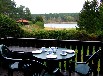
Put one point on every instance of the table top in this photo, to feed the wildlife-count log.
(43, 55)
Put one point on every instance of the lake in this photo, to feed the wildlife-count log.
(60, 25)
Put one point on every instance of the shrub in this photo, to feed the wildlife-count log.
(8, 27)
(40, 24)
(64, 35)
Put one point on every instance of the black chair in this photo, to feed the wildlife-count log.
(36, 67)
(83, 68)
(40, 69)
(4, 52)
(8, 62)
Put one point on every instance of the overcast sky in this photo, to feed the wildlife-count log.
(52, 6)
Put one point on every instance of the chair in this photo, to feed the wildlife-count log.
(8, 62)
(44, 71)
(3, 52)
(83, 68)
(37, 67)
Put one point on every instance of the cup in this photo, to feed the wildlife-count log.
(63, 52)
(43, 49)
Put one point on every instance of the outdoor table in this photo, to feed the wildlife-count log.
(42, 56)
(54, 62)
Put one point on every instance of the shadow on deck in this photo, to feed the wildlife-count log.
(4, 72)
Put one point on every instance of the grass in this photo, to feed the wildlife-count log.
(31, 28)
(48, 28)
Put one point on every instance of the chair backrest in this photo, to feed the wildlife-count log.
(1, 51)
(96, 55)
(28, 55)
(5, 51)
(1, 48)
(17, 54)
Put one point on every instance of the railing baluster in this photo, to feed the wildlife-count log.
(79, 48)
(85, 47)
(101, 60)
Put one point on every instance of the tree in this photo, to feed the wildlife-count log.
(39, 18)
(20, 12)
(89, 17)
(8, 27)
(28, 14)
(101, 15)
(7, 7)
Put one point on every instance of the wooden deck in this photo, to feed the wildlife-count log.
(4, 72)
(82, 48)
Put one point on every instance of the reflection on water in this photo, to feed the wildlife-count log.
(61, 25)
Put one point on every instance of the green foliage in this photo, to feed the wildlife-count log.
(64, 35)
(39, 18)
(40, 24)
(101, 16)
(100, 36)
(30, 22)
(58, 17)
(8, 27)
(8, 7)
(23, 13)
(89, 17)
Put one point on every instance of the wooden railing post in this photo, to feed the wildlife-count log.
(101, 60)
(79, 48)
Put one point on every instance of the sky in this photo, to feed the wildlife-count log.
(52, 6)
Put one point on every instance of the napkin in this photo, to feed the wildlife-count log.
(51, 56)
(70, 51)
(37, 51)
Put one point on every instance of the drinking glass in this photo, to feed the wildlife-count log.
(50, 51)
(54, 49)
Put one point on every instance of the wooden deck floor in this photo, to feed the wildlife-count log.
(4, 72)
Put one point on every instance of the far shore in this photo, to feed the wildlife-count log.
(62, 23)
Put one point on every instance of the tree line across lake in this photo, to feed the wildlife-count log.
(58, 17)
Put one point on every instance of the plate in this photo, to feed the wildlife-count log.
(51, 56)
(37, 51)
(70, 51)
(63, 54)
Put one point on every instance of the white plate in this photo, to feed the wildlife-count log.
(70, 51)
(51, 56)
(63, 54)
(37, 51)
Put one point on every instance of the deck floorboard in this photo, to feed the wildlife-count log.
(4, 72)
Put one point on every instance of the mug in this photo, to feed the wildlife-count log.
(63, 51)
(43, 49)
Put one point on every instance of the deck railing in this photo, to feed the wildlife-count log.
(82, 48)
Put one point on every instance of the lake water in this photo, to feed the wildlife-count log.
(61, 25)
